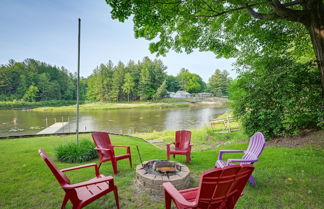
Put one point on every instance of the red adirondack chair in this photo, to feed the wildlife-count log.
(219, 188)
(82, 194)
(182, 145)
(251, 155)
(106, 150)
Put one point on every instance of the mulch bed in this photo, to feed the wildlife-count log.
(314, 138)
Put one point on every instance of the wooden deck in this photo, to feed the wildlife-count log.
(53, 128)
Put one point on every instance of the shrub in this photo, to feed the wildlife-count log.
(279, 97)
(76, 153)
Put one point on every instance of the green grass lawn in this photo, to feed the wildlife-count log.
(286, 177)
(203, 139)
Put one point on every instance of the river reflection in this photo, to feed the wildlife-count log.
(127, 121)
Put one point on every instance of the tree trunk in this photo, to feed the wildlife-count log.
(315, 27)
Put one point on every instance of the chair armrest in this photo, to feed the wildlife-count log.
(90, 182)
(168, 145)
(102, 149)
(241, 161)
(220, 155)
(128, 147)
(177, 196)
(120, 146)
(83, 166)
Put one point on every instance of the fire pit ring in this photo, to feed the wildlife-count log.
(154, 173)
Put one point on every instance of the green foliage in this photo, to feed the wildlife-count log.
(190, 82)
(172, 83)
(33, 80)
(279, 98)
(134, 81)
(146, 92)
(218, 83)
(187, 25)
(128, 84)
(76, 153)
(161, 91)
(31, 94)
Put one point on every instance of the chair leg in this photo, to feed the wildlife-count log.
(66, 198)
(116, 197)
(130, 161)
(114, 165)
(167, 198)
(168, 155)
(99, 165)
(76, 207)
(252, 181)
(188, 158)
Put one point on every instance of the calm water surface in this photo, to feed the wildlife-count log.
(127, 121)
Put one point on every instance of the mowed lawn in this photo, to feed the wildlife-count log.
(286, 177)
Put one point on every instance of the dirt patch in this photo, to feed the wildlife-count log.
(312, 138)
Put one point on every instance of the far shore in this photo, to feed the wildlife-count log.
(85, 106)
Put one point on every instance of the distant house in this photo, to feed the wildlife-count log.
(204, 94)
(179, 94)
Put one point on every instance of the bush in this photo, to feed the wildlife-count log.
(279, 98)
(76, 153)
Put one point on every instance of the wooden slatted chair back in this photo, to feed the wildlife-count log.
(102, 140)
(183, 139)
(256, 145)
(221, 187)
(59, 175)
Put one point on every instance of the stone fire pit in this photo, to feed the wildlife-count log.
(154, 173)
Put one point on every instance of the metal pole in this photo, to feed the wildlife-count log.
(139, 155)
(78, 82)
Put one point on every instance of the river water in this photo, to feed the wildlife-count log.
(126, 121)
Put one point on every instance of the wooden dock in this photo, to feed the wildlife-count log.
(53, 128)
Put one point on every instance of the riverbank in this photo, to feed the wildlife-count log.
(133, 105)
(279, 182)
(111, 106)
(22, 104)
(69, 105)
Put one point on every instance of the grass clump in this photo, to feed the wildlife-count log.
(76, 153)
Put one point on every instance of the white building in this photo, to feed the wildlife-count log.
(179, 94)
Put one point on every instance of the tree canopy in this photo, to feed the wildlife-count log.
(32, 80)
(218, 83)
(230, 28)
(145, 80)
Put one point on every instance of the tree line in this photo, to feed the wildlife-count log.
(32, 80)
(147, 80)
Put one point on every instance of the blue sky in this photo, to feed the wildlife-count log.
(46, 30)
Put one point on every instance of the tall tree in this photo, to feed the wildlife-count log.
(218, 83)
(117, 81)
(172, 83)
(146, 91)
(128, 84)
(228, 28)
(161, 91)
(190, 82)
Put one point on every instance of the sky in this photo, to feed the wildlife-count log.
(46, 30)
